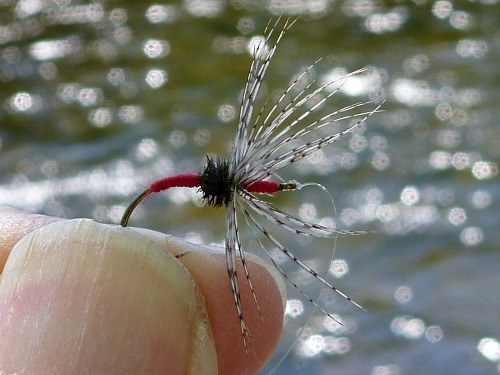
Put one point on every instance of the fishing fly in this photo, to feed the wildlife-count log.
(281, 133)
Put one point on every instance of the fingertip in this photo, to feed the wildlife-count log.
(208, 268)
(265, 326)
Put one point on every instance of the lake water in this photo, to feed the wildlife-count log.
(100, 99)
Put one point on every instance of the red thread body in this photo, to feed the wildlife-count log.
(192, 180)
(263, 187)
(189, 180)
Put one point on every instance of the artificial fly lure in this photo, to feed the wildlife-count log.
(262, 147)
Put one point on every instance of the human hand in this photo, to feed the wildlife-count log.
(81, 297)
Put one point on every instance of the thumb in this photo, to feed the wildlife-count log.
(81, 297)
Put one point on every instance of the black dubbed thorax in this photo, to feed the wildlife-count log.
(216, 183)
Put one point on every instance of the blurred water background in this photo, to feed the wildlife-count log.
(100, 98)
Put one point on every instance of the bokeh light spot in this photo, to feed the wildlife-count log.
(21, 102)
(472, 48)
(409, 327)
(483, 170)
(336, 345)
(443, 112)
(89, 96)
(434, 334)
(440, 160)
(204, 8)
(410, 195)
(316, 8)
(457, 216)
(461, 20)
(481, 199)
(312, 346)
(461, 160)
(294, 308)
(116, 76)
(118, 16)
(28, 8)
(403, 294)
(380, 161)
(147, 149)
(131, 114)
(48, 70)
(246, 25)
(380, 23)
(226, 112)
(202, 137)
(471, 236)
(161, 14)
(442, 9)
(307, 212)
(54, 49)
(156, 78)
(489, 348)
(416, 64)
(339, 268)
(155, 49)
(177, 138)
(100, 117)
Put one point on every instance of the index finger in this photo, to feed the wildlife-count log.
(207, 267)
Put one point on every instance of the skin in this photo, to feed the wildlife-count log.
(81, 297)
